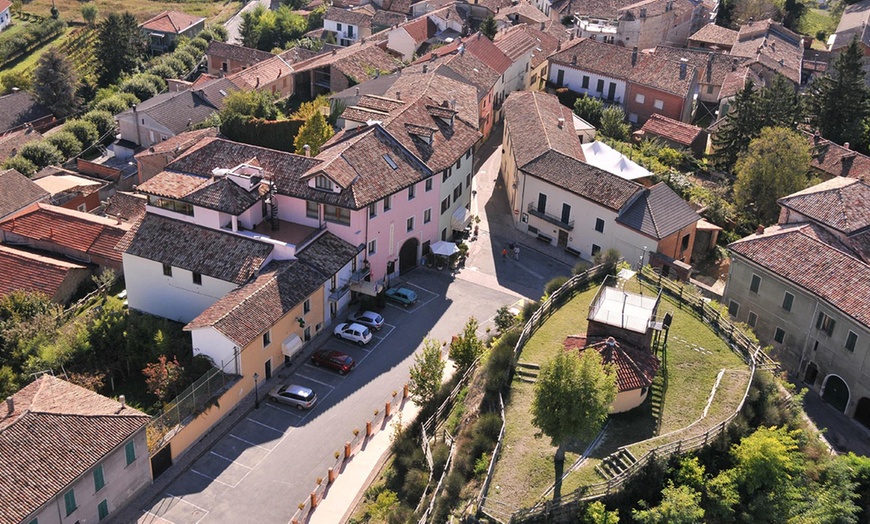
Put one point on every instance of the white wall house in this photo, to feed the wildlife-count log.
(588, 83)
(5, 14)
(456, 188)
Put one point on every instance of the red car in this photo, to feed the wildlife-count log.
(332, 359)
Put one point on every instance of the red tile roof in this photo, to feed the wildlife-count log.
(515, 42)
(171, 22)
(670, 129)
(770, 44)
(842, 204)
(836, 160)
(69, 229)
(17, 192)
(23, 270)
(4, 5)
(532, 119)
(716, 35)
(635, 369)
(57, 432)
(421, 29)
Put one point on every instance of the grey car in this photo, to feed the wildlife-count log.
(367, 318)
(294, 395)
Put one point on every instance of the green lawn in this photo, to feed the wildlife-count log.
(815, 20)
(692, 361)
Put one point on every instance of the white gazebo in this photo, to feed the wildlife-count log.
(604, 157)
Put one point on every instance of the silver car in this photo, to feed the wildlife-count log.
(294, 395)
(367, 318)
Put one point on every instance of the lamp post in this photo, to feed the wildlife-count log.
(256, 392)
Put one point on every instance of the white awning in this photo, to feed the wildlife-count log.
(367, 288)
(291, 345)
(460, 218)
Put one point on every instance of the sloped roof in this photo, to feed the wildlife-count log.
(533, 121)
(177, 111)
(217, 193)
(218, 254)
(368, 62)
(238, 53)
(57, 432)
(26, 271)
(19, 108)
(798, 253)
(179, 143)
(357, 17)
(516, 41)
(67, 228)
(842, 204)
(4, 5)
(836, 160)
(126, 206)
(854, 21)
(171, 22)
(17, 192)
(525, 10)
(594, 8)
(718, 64)
(421, 29)
(715, 35)
(261, 73)
(245, 313)
(635, 369)
(654, 8)
(582, 179)
(672, 130)
(388, 19)
(11, 143)
(439, 88)
(770, 44)
(658, 212)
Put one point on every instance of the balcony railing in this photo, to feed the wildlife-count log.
(360, 274)
(553, 219)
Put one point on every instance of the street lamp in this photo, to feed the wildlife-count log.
(256, 392)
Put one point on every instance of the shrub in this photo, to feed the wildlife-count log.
(498, 366)
(609, 258)
(219, 32)
(489, 426)
(553, 285)
(66, 142)
(158, 82)
(415, 483)
(84, 130)
(613, 123)
(579, 267)
(104, 123)
(440, 452)
(112, 105)
(140, 87)
(177, 65)
(41, 153)
(529, 309)
(162, 70)
(186, 58)
(200, 44)
(22, 165)
(481, 466)
(130, 99)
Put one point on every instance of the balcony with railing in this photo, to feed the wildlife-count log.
(552, 219)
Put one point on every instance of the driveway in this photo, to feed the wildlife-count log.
(235, 22)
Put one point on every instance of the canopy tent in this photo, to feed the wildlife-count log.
(604, 157)
(445, 249)
(460, 218)
(290, 345)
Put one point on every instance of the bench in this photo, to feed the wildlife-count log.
(571, 251)
(544, 238)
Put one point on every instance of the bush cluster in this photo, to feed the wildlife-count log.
(32, 35)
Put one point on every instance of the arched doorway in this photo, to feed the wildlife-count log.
(408, 255)
(862, 411)
(835, 392)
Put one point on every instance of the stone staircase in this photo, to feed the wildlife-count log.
(527, 372)
(615, 463)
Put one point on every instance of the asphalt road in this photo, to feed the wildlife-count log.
(233, 23)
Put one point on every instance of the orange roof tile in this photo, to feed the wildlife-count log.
(171, 22)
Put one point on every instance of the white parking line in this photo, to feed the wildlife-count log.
(189, 503)
(249, 442)
(229, 459)
(300, 375)
(276, 430)
(162, 520)
(287, 411)
(212, 478)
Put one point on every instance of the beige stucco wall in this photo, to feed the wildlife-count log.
(626, 400)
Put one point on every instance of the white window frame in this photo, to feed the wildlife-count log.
(373, 247)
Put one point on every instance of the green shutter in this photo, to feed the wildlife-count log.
(103, 509)
(70, 500)
(131, 452)
(99, 481)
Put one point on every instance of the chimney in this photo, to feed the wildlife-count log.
(683, 68)
(123, 400)
(425, 68)
(398, 95)
(542, 26)
(461, 49)
(634, 56)
(559, 45)
(574, 60)
(10, 404)
(258, 83)
(816, 137)
(561, 123)
(710, 67)
(846, 145)
(759, 230)
(307, 149)
(334, 51)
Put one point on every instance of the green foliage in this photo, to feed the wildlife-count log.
(89, 13)
(112, 105)
(158, 82)
(596, 513)
(466, 347)
(161, 70)
(178, 67)
(217, 31)
(314, 133)
(775, 165)
(32, 35)
(504, 319)
(66, 143)
(198, 43)
(139, 86)
(315, 20)
(265, 29)
(613, 123)
(307, 109)
(186, 57)
(589, 109)
(489, 27)
(609, 258)
(103, 121)
(21, 79)
(22, 165)
(252, 104)
(55, 83)
(274, 134)
(482, 465)
(84, 130)
(427, 372)
(383, 505)
(41, 153)
(572, 397)
(680, 505)
(499, 363)
(120, 47)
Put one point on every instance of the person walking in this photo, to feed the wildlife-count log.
(517, 252)
(504, 254)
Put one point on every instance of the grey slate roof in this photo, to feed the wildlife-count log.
(842, 204)
(17, 192)
(658, 212)
(17, 109)
(178, 112)
(224, 256)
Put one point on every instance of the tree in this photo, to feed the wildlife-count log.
(163, 377)
(489, 27)
(837, 104)
(119, 48)
(613, 123)
(792, 12)
(139, 86)
(466, 347)
(15, 79)
(41, 153)
(589, 109)
(251, 104)
(778, 104)
(66, 142)
(21, 164)
(103, 121)
(775, 165)
(249, 29)
(680, 505)
(427, 372)
(572, 398)
(834, 502)
(89, 14)
(314, 133)
(504, 319)
(55, 83)
(739, 128)
(84, 130)
(596, 513)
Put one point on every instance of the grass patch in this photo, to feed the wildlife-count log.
(71, 10)
(815, 20)
(28, 62)
(691, 363)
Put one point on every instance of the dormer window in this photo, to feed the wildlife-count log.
(323, 183)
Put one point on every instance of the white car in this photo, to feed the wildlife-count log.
(353, 332)
(367, 318)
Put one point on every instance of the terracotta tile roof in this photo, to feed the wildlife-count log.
(217, 193)
(736, 80)
(516, 42)
(525, 10)
(658, 212)
(397, 6)
(218, 254)
(771, 45)
(4, 5)
(368, 62)
(126, 206)
(237, 53)
(488, 53)
(362, 114)
(463, 67)
(298, 54)
(796, 252)
(12, 142)
(261, 73)
(532, 119)
(23, 270)
(545, 44)
(671, 130)
(835, 160)
(66, 430)
(67, 228)
(580, 178)
(712, 67)
(439, 88)
(635, 369)
(715, 35)
(654, 8)
(171, 22)
(842, 204)
(594, 8)
(245, 313)
(17, 192)
(421, 29)
(17, 109)
(388, 19)
(172, 185)
(615, 62)
(179, 143)
(357, 17)
(380, 103)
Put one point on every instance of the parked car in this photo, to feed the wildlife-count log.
(294, 395)
(367, 318)
(402, 295)
(332, 359)
(353, 332)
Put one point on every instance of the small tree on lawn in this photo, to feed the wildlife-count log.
(314, 133)
(572, 398)
(162, 377)
(466, 347)
(89, 14)
(427, 373)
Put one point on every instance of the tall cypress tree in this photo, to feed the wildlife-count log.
(778, 104)
(120, 46)
(55, 83)
(742, 124)
(837, 104)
